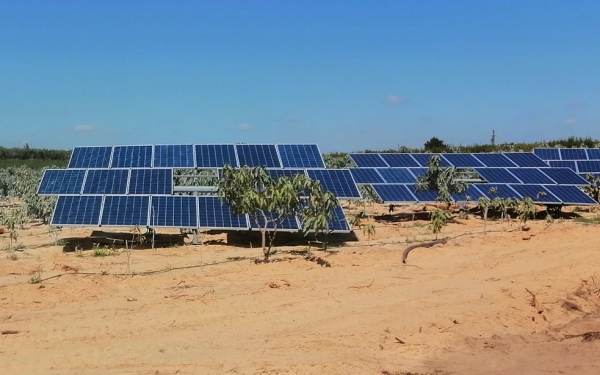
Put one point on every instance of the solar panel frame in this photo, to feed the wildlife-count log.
(150, 181)
(213, 156)
(497, 175)
(177, 156)
(593, 153)
(85, 207)
(300, 156)
(462, 160)
(125, 211)
(368, 160)
(532, 190)
(61, 182)
(570, 195)
(173, 211)
(494, 160)
(563, 164)
(588, 166)
(104, 181)
(395, 193)
(218, 215)
(573, 154)
(366, 176)
(124, 156)
(397, 175)
(93, 157)
(399, 160)
(338, 181)
(564, 176)
(547, 153)
(423, 160)
(531, 176)
(258, 155)
(526, 159)
(423, 196)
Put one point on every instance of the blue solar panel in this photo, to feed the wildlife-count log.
(564, 176)
(131, 157)
(287, 224)
(502, 191)
(90, 157)
(537, 193)
(338, 222)
(77, 210)
(61, 181)
(276, 173)
(125, 211)
(151, 181)
(588, 166)
(593, 153)
(300, 156)
(497, 175)
(397, 175)
(472, 192)
(215, 214)
(570, 194)
(215, 156)
(174, 211)
(495, 160)
(531, 176)
(338, 181)
(423, 160)
(400, 160)
(547, 153)
(463, 160)
(368, 160)
(423, 195)
(394, 193)
(563, 164)
(258, 156)
(366, 176)
(106, 181)
(418, 171)
(525, 159)
(573, 154)
(174, 156)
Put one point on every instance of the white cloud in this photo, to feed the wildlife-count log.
(244, 127)
(393, 99)
(570, 121)
(83, 128)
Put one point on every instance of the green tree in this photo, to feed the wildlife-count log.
(443, 181)
(435, 145)
(270, 201)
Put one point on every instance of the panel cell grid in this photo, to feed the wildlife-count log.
(547, 153)
(400, 160)
(258, 156)
(300, 156)
(525, 159)
(174, 156)
(418, 172)
(215, 214)
(151, 181)
(395, 193)
(495, 160)
(61, 181)
(276, 173)
(573, 154)
(588, 166)
(531, 176)
(338, 181)
(338, 222)
(289, 224)
(397, 175)
(499, 190)
(563, 164)
(366, 176)
(472, 193)
(423, 195)
(132, 157)
(423, 160)
(497, 175)
(174, 211)
(106, 181)
(564, 176)
(593, 153)
(215, 156)
(537, 193)
(463, 160)
(125, 211)
(368, 160)
(90, 157)
(570, 194)
(77, 210)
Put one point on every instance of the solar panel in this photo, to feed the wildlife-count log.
(338, 222)
(547, 153)
(131, 157)
(564, 176)
(368, 160)
(397, 175)
(537, 193)
(502, 191)
(215, 156)
(400, 160)
(472, 192)
(570, 194)
(174, 211)
(394, 193)
(61, 181)
(106, 181)
(258, 156)
(423, 160)
(531, 176)
(338, 181)
(151, 181)
(90, 157)
(215, 214)
(563, 164)
(276, 173)
(289, 224)
(495, 160)
(423, 195)
(525, 159)
(366, 176)
(463, 160)
(125, 211)
(174, 156)
(497, 175)
(588, 166)
(300, 156)
(573, 154)
(418, 171)
(593, 153)
(77, 210)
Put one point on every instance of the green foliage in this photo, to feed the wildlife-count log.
(22, 183)
(441, 180)
(369, 230)
(337, 160)
(588, 220)
(435, 145)
(104, 251)
(13, 219)
(526, 210)
(439, 219)
(593, 189)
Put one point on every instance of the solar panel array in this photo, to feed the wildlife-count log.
(581, 160)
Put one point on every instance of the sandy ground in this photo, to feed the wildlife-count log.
(458, 308)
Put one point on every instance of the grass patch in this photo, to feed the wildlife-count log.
(12, 256)
(587, 220)
(19, 247)
(104, 252)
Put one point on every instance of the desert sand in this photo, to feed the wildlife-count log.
(463, 307)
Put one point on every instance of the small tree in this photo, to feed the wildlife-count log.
(593, 189)
(269, 202)
(318, 211)
(526, 211)
(435, 145)
(439, 219)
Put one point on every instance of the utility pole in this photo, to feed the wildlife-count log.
(493, 137)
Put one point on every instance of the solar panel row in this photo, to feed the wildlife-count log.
(198, 156)
(555, 154)
(459, 160)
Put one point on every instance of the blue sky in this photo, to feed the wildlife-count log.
(347, 75)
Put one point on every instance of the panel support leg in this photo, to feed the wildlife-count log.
(195, 240)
